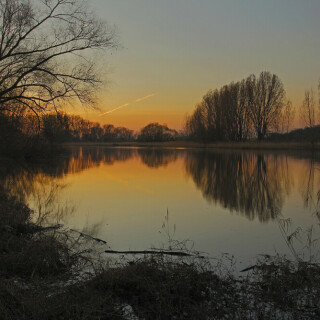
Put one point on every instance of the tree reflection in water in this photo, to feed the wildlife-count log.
(155, 158)
(22, 179)
(253, 184)
(249, 183)
(309, 186)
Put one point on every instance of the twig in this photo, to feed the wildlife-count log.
(86, 235)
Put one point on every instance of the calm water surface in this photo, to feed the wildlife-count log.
(226, 202)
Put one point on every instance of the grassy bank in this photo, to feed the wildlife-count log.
(218, 145)
(46, 273)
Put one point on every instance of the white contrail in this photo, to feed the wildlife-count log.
(127, 104)
(146, 97)
(122, 106)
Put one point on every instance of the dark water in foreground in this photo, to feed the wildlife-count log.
(232, 202)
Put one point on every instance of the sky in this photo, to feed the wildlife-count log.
(173, 51)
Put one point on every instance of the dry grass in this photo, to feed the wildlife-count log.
(283, 289)
(160, 290)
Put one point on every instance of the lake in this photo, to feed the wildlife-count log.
(243, 203)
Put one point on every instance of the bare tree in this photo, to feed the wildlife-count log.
(196, 124)
(288, 114)
(236, 113)
(43, 53)
(308, 109)
(266, 96)
(237, 109)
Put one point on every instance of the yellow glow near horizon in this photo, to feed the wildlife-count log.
(165, 108)
(127, 104)
(182, 49)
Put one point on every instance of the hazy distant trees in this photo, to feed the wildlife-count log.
(308, 112)
(112, 133)
(61, 127)
(238, 110)
(109, 134)
(43, 47)
(288, 114)
(157, 132)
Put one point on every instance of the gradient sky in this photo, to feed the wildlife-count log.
(173, 51)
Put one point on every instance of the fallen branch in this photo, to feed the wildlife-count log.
(170, 253)
(248, 269)
(88, 236)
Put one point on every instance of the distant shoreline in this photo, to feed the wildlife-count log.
(265, 145)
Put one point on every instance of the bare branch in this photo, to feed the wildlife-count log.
(43, 48)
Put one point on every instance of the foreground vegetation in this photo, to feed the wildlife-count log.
(50, 273)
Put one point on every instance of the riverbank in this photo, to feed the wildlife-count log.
(264, 145)
(49, 273)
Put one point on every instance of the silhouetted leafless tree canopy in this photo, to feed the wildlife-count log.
(308, 112)
(239, 110)
(157, 132)
(288, 115)
(43, 53)
(266, 96)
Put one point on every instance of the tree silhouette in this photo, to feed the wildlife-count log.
(266, 96)
(239, 109)
(157, 132)
(43, 53)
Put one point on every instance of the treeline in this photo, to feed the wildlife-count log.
(25, 133)
(61, 127)
(242, 110)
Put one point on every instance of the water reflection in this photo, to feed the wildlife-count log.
(155, 158)
(22, 180)
(76, 160)
(309, 185)
(252, 184)
(248, 183)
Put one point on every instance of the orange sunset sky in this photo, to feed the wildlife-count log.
(173, 51)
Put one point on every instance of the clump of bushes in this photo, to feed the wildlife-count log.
(25, 250)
